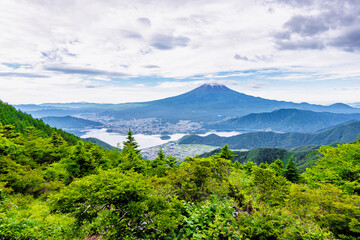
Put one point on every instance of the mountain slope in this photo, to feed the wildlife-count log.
(343, 133)
(208, 102)
(9, 115)
(211, 102)
(69, 122)
(287, 120)
(303, 156)
(98, 142)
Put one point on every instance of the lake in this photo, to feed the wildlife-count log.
(144, 141)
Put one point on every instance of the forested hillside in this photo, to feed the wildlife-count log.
(303, 156)
(21, 121)
(51, 189)
(287, 120)
(343, 133)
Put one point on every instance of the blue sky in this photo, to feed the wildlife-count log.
(125, 51)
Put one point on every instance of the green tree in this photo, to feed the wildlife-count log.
(82, 161)
(263, 165)
(131, 143)
(329, 206)
(20, 121)
(120, 206)
(171, 161)
(226, 153)
(198, 178)
(161, 155)
(129, 159)
(278, 167)
(291, 172)
(269, 187)
(158, 165)
(338, 165)
(8, 131)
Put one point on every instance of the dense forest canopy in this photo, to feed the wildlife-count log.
(51, 188)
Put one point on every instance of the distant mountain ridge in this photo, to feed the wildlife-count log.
(287, 120)
(69, 122)
(208, 102)
(343, 133)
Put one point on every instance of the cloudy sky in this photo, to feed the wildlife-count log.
(123, 51)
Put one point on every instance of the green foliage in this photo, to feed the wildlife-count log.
(226, 153)
(212, 219)
(240, 188)
(81, 163)
(304, 156)
(266, 222)
(130, 143)
(342, 133)
(21, 121)
(129, 159)
(171, 161)
(329, 206)
(338, 165)
(278, 167)
(98, 142)
(198, 178)
(269, 187)
(19, 178)
(22, 217)
(291, 172)
(160, 165)
(118, 205)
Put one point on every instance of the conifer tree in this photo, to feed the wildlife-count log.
(161, 155)
(278, 167)
(160, 160)
(226, 152)
(171, 161)
(131, 143)
(291, 172)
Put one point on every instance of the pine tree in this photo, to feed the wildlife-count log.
(171, 161)
(291, 172)
(161, 155)
(160, 160)
(131, 143)
(226, 153)
(278, 167)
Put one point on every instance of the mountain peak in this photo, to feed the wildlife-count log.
(340, 105)
(213, 85)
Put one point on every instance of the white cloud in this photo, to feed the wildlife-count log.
(177, 84)
(162, 42)
(257, 84)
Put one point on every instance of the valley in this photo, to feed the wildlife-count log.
(207, 117)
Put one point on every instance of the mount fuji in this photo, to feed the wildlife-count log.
(212, 102)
